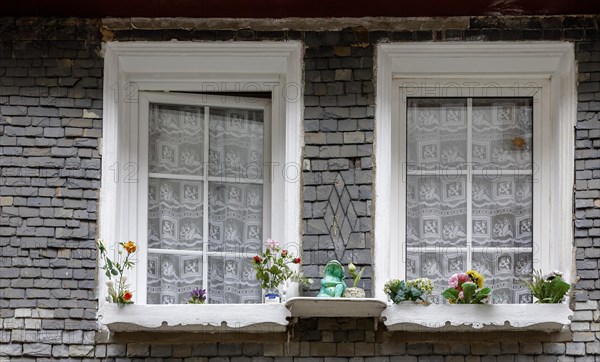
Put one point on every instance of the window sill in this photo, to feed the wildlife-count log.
(335, 307)
(464, 317)
(256, 318)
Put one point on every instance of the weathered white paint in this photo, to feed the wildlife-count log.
(473, 317)
(552, 62)
(256, 318)
(335, 307)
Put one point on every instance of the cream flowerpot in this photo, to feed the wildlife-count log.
(354, 293)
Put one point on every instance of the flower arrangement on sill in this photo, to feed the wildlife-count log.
(466, 288)
(273, 267)
(549, 288)
(354, 291)
(412, 290)
(118, 293)
(197, 296)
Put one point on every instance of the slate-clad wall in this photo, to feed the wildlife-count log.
(50, 126)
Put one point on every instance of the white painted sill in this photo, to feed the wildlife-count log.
(253, 318)
(476, 317)
(269, 318)
(335, 307)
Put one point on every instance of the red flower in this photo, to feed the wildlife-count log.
(127, 296)
(284, 253)
(297, 260)
(257, 259)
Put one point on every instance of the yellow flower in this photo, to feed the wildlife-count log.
(476, 278)
(130, 247)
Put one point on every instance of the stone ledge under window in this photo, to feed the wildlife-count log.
(468, 317)
(253, 318)
(335, 307)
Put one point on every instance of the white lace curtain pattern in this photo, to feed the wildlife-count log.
(204, 168)
(469, 192)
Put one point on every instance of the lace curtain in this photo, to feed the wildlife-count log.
(469, 192)
(193, 183)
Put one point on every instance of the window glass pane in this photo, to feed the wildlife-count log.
(436, 133)
(502, 133)
(476, 217)
(231, 279)
(171, 278)
(503, 270)
(235, 217)
(436, 211)
(175, 210)
(177, 185)
(176, 139)
(502, 211)
(236, 143)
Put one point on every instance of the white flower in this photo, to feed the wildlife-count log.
(124, 279)
(271, 243)
(351, 267)
(110, 284)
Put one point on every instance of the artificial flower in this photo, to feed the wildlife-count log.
(476, 278)
(127, 296)
(198, 296)
(130, 247)
(272, 244)
(272, 266)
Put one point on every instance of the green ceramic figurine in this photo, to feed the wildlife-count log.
(332, 284)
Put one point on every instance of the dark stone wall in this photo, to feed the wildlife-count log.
(50, 124)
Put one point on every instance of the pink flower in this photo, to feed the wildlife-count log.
(453, 281)
(271, 243)
(463, 278)
(461, 295)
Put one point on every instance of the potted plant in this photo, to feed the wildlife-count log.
(411, 291)
(273, 267)
(354, 291)
(549, 288)
(466, 288)
(118, 293)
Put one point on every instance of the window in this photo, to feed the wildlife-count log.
(475, 162)
(468, 185)
(207, 200)
(200, 180)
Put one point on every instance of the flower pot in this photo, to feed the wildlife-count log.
(272, 296)
(354, 293)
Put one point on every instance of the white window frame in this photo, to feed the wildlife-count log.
(550, 65)
(134, 67)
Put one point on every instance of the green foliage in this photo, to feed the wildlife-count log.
(354, 274)
(547, 289)
(399, 291)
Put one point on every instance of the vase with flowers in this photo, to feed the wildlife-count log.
(118, 290)
(274, 267)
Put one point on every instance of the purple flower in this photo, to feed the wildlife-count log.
(199, 294)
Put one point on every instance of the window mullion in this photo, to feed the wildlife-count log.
(469, 181)
(205, 203)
